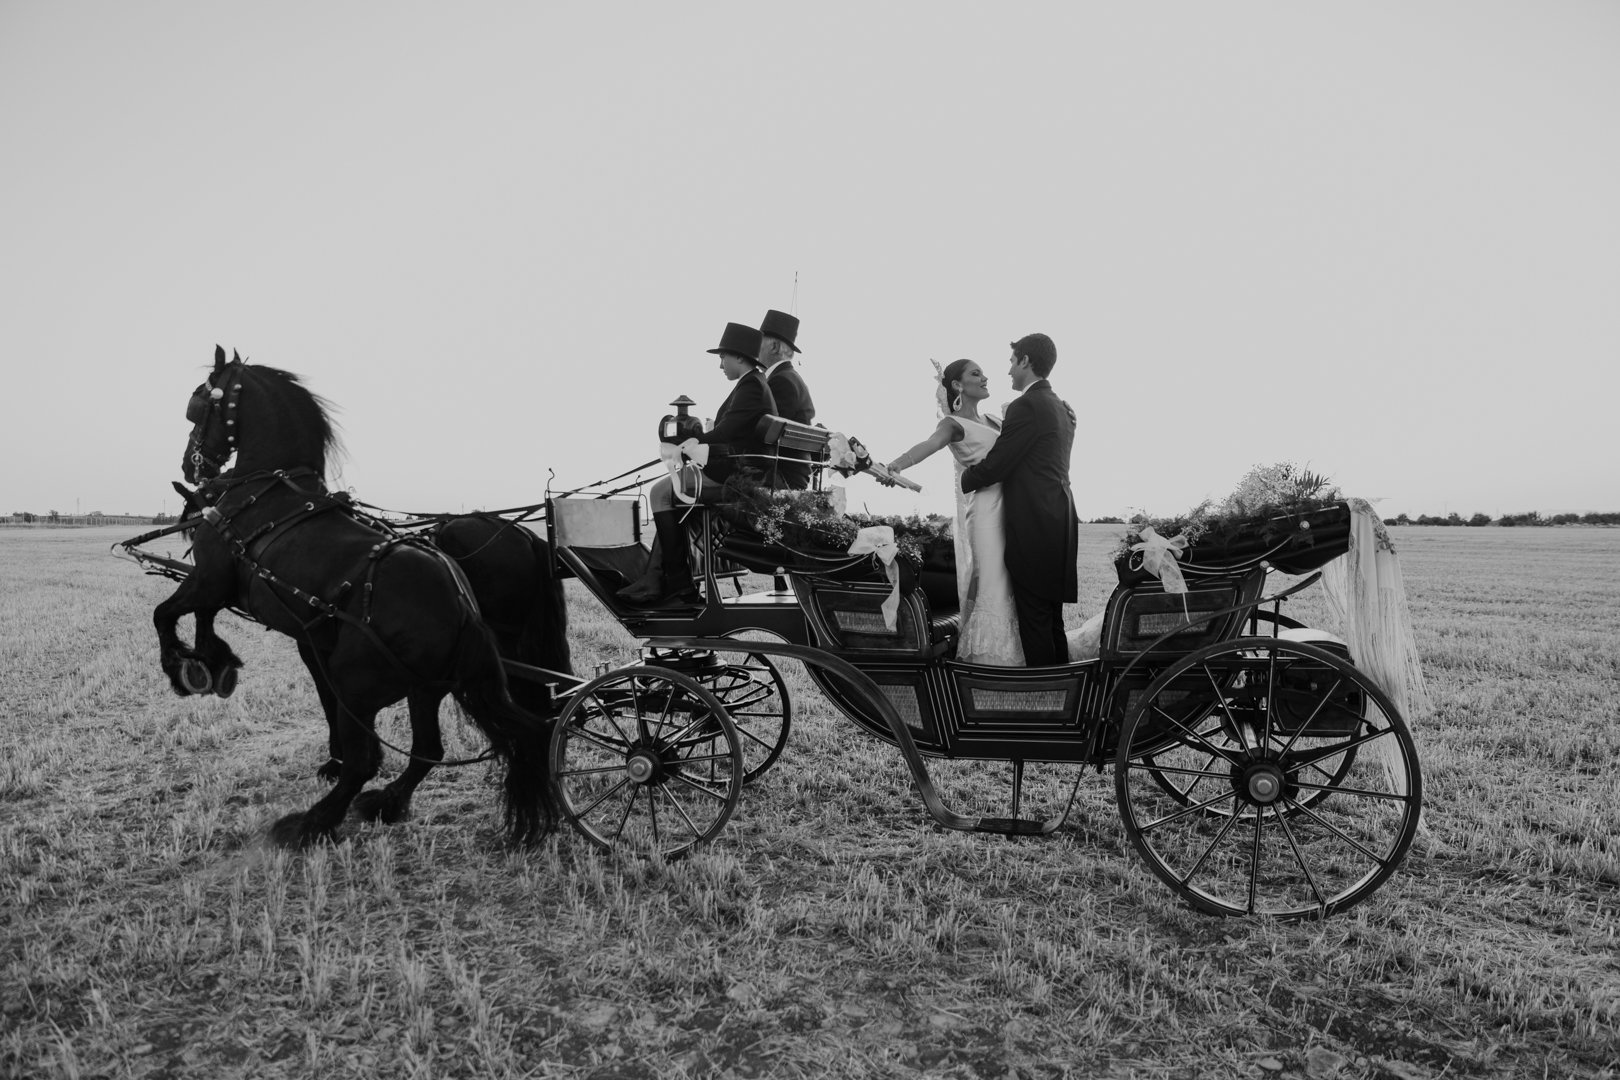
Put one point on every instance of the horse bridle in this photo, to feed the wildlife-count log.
(206, 405)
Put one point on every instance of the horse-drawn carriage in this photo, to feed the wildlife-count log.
(1256, 768)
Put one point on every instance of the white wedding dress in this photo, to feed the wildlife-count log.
(989, 633)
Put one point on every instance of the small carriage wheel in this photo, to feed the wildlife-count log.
(756, 698)
(646, 760)
(1271, 777)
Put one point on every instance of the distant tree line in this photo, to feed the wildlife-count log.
(1533, 517)
(1508, 520)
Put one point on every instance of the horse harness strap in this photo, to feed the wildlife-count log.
(250, 550)
(200, 405)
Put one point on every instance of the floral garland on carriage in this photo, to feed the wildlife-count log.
(821, 522)
(1262, 511)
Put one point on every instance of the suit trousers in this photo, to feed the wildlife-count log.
(1040, 628)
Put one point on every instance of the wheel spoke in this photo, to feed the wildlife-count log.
(1360, 793)
(1306, 757)
(600, 799)
(1255, 854)
(1322, 701)
(1299, 859)
(698, 786)
(599, 770)
(1226, 708)
(1340, 833)
(1177, 770)
(1196, 736)
(602, 741)
(681, 810)
(1185, 811)
(1226, 827)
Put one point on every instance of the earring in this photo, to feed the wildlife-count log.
(956, 402)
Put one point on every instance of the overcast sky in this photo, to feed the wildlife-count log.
(1380, 239)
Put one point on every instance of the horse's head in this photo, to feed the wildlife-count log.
(262, 415)
(212, 410)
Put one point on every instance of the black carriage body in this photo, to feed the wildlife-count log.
(1070, 713)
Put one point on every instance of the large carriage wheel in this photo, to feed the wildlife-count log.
(646, 760)
(1263, 776)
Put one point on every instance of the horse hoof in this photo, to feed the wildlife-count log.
(195, 678)
(226, 685)
(293, 832)
(378, 806)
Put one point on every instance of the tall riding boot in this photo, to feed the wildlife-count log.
(677, 558)
(669, 569)
(647, 586)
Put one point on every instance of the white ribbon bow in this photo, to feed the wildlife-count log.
(675, 459)
(1159, 556)
(840, 455)
(879, 540)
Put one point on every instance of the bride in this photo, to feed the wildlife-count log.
(989, 621)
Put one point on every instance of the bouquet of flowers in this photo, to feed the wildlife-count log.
(848, 456)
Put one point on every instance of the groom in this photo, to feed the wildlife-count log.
(1030, 460)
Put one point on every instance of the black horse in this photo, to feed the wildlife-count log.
(377, 617)
(520, 597)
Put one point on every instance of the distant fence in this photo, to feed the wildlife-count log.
(79, 521)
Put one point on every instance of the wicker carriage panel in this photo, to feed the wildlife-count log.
(1140, 613)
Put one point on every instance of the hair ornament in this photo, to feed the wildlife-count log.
(941, 394)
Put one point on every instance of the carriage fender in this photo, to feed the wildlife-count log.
(1310, 635)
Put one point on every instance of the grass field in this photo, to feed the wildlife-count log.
(832, 930)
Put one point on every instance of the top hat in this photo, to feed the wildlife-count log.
(779, 324)
(740, 340)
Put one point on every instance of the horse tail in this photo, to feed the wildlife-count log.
(518, 737)
(545, 629)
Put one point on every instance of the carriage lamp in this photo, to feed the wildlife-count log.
(679, 426)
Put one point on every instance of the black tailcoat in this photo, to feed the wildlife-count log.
(736, 428)
(792, 401)
(1030, 460)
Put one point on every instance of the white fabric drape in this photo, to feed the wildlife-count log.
(1368, 595)
(1365, 588)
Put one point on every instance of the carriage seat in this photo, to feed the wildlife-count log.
(795, 442)
(1140, 615)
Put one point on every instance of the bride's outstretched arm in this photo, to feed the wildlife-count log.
(947, 432)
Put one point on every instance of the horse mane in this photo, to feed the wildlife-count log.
(311, 410)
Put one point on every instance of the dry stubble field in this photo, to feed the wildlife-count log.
(149, 932)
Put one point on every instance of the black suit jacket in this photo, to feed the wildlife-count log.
(1030, 460)
(792, 401)
(735, 433)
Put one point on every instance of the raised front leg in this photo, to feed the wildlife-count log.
(220, 663)
(187, 669)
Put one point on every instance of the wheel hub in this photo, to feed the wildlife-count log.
(644, 767)
(1265, 784)
(1260, 781)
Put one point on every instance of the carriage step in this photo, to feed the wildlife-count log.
(1010, 826)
